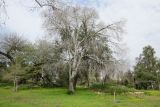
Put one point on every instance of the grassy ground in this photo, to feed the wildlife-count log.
(57, 97)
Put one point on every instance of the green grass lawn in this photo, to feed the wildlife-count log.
(57, 97)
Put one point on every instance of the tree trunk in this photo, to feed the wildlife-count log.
(71, 87)
(15, 84)
(75, 81)
(88, 79)
(88, 83)
(89, 75)
(71, 84)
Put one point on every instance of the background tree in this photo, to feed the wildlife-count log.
(158, 73)
(128, 78)
(146, 67)
(10, 45)
(46, 60)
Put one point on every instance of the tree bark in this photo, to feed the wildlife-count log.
(88, 82)
(75, 81)
(71, 89)
(15, 84)
(71, 85)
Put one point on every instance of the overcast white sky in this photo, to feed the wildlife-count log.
(142, 21)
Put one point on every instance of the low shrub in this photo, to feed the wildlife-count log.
(28, 86)
(152, 93)
(111, 88)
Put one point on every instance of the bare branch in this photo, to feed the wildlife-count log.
(7, 55)
(90, 36)
(46, 5)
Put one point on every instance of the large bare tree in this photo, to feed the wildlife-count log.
(78, 30)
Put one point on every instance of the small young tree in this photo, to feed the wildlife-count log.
(15, 73)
